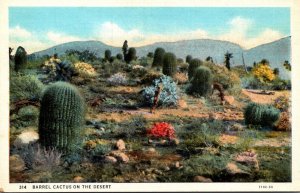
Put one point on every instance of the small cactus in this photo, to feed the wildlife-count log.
(169, 64)
(201, 83)
(61, 117)
(193, 65)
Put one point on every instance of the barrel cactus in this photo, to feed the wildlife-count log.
(193, 65)
(61, 117)
(169, 64)
(131, 55)
(158, 57)
(188, 59)
(20, 59)
(261, 114)
(201, 83)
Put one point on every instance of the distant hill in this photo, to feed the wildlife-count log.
(276, 52)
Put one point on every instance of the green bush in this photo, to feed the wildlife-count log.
(25, 87)
(261, 114)
(158, 57)
(194, 64)
(61, 117)
(201, 83)
(169, 64)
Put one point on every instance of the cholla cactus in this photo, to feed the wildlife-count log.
(117, 79)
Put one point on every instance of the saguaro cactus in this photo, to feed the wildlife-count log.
(61, 116)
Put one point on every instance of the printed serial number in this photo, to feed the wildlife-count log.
(265, 186)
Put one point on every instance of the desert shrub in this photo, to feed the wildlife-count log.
(193, 65)
(20, 59)
(25, 87)
(38, 158)
(263, 73)
(85, 70)
(201, 83)
(250, 82)
(162, 130)
(100, 150)
(282, 103)
(138, 71)
(29, 113)
(150, 76)
(180, 78)
(168, 95)
(284, 123)
(117, 79)
(229, 79)
(280, 84)
(158, 57)
(112, 68)
(261, 114)
(169, 64)
(183, 67)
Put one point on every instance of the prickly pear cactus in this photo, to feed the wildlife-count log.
(61, 117)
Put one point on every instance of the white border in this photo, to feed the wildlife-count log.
(148, 187)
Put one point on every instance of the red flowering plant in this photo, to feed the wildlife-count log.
(162, 130)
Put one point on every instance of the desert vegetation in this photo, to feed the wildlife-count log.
(77, 117)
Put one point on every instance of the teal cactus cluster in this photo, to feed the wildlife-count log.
(169, 64)
(61, 117)
(261, 114)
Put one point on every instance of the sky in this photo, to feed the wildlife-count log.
(38, 28)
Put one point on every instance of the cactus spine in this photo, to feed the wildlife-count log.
(193, 65)
(169, 64)
(61, 117)
(201, 81)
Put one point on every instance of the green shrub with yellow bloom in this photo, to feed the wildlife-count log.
(263, 73)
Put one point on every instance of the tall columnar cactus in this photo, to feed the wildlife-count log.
(61, 117)
(201, 83)
(20, 58)
(261, 114)
(169, 64)
(188, 59)
(193, 65)
(158, 57)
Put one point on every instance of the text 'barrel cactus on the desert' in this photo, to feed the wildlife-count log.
(61, 116)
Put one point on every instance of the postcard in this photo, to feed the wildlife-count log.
(149, 96)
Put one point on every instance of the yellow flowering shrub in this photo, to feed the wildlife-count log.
(263, 73)
(85, 70)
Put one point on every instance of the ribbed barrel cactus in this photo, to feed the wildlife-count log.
(20, 59)
(169, 64)
(193, 65)
(201, 83)
(61, 117)
(158, 57)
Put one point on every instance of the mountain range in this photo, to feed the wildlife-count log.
(276, 52)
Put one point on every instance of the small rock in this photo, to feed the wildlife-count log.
(150, 141)
(26, 137)
(229, 99)
(16, 163)
(102, 129)
(151, 149)
(120, 145)
(182, 103)
(122, 157)
(110, 159)
(163, 142)
(177, 165)
(78, 179)
(201, 179)
(237, 127)
(233, 169)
